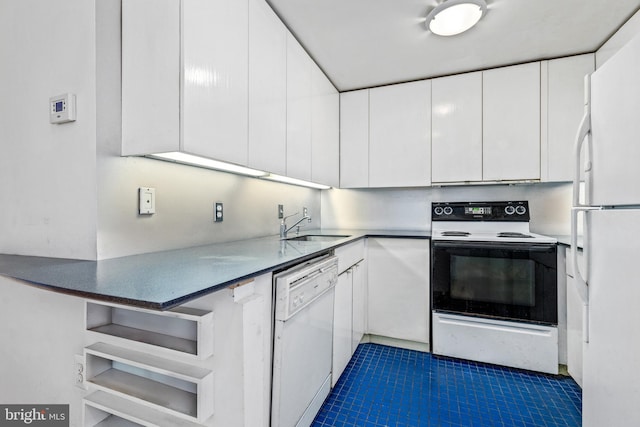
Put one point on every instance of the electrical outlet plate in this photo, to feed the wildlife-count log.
(79, 371)
(280, 211)
(147, 201)
(218, 212)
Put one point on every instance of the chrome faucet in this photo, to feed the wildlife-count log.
(283, 225)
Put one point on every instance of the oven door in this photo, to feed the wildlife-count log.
(511, 281)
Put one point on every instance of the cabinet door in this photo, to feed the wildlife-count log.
(215, 79)
(456, 136)
(150, 76)
(398, 288)
(267, 89)
(354, 139)
(565, 108)
(511, 123)
(342, 318)
(400, 135)
(325, 130)
(298, 110)
(359, 305)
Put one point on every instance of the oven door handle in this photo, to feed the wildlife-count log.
(529, 247)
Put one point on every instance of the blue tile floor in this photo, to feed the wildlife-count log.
(386, 386)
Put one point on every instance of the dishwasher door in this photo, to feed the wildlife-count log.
(302, 357)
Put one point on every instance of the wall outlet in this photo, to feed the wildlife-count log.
(280, 211)
(79, 371)
(146, 201)
(218, 212)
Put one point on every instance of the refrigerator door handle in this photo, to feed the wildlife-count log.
(581, 137)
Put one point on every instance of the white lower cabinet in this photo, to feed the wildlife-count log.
(349, 306)
(342, 325)
(398, 289)
(575, 327)
(161, 368)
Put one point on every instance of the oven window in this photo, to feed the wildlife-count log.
(494, 280)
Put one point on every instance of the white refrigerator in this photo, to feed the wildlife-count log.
(609, 140)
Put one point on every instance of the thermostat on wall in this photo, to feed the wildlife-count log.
(62, 108)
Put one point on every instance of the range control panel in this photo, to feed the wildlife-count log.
(480, 211)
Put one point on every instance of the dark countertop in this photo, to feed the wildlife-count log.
(161, 280)
(565, 240)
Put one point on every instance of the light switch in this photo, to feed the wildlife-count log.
(147, 201)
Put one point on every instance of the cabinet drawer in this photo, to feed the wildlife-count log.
(349, 255)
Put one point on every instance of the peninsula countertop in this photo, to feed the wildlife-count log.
(161, 280)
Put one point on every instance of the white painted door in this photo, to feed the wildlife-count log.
(359, 304)
(215, 79)
(456, 134)
(511, 123)
(565, 108)
(267, 89)
(398, 288)
(298, 110)
(400, 135)
(325, 130)
(150, 76)
(354, 139)
(342, 324)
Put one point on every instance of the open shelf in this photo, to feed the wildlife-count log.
(173, 387)
(182, 329)
(103, 409)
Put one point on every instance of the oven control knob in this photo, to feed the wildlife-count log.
(509, 210)
(521, 210)
(448, 210)
(438, 210)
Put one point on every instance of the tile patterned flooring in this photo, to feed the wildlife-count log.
(391, 387)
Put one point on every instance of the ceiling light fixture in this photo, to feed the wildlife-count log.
(453, 17)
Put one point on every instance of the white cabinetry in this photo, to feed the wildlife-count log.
(203, 86)
(215, 78)
(354, 139)
(325, 130)
(400, 135)
(342, 325)
(298, 110)
(145, 367)
(575, 337)
(456, 138)
(267, 89)
(398, 289)
(349, 306)
(511, 123)
(564, 91)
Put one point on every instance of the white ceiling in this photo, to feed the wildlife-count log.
(366, 43)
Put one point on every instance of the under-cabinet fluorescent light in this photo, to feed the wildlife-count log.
(189, 159)
(294, 181)
(453, 17)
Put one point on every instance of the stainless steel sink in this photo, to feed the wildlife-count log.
(318, 237)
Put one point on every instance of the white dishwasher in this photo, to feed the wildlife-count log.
(303, 337)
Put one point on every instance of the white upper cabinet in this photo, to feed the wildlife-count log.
(215, 78)
(298, 110)
(150, 76)
(565, 107)
(267, 89)
(325, 130)
(354, 139)
(456, 134)
(511, 123)
(400, 135)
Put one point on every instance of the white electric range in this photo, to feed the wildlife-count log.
(493, 286)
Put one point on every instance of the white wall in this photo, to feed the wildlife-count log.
(410, 209)
(47, 172)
